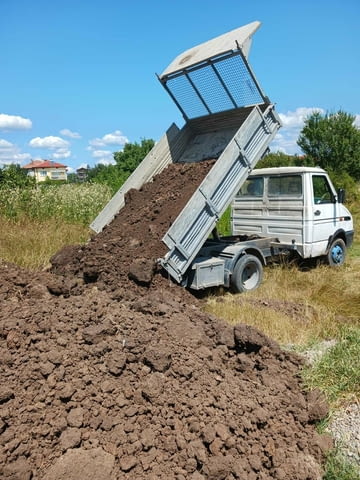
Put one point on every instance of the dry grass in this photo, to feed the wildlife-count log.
(297, 307)
(31, 243)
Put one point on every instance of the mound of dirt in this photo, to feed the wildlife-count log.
(104, 378)
(131, 244)
(152, 387)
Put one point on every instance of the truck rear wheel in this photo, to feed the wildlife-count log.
(247, 275)
(337, 253)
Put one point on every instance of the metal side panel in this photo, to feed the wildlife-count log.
(162, 154)
(198, 218)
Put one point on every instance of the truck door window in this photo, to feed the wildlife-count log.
(321, 190)
(285, 185)
(253, 187)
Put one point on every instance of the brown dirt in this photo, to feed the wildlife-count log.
(102, 378)
(131, 245)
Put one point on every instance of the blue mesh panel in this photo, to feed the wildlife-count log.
(239, 82)
(187, 97)
(240, 88)
(211, 90)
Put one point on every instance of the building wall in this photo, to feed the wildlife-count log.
(41, 174)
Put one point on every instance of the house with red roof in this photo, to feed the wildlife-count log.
(43, 169)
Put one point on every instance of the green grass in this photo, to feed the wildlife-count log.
(337, 373)
(337, 468)
(354, 251)
(224, 224)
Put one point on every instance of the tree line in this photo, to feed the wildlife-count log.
(330, 141)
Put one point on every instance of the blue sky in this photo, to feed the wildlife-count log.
(78, 77)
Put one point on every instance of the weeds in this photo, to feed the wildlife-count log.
(295, 306)
(31, 243)
(337, 468)
(73, 203)
(337, 373)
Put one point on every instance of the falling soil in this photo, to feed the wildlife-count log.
(131, 245)
(106, 378)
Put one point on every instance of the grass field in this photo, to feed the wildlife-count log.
(31, 243)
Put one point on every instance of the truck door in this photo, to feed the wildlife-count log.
(324, 208)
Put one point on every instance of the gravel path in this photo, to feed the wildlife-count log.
(314, 354)
(345, 428)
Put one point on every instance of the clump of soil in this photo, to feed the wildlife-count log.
(103, 378)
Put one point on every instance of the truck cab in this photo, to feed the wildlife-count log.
(297, 205)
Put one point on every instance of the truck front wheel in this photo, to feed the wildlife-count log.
(247, 275)
(337, 253)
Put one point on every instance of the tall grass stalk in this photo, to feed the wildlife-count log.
(297, 307)
(30, 243)
(75, 203)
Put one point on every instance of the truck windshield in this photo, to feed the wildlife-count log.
(253, 187)
(285, 185)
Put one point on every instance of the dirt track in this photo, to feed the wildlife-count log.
(103, 378)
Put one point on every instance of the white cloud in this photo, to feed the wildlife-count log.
(68, 133)
(292, 124)
(49, 142)
(296, 119)
(104, 157)
(285, 142)
(106, 161)
(10, 153)
(83, 165)
(14, 122)
(21, 157)
(5, 145)
(114, 138)
(61, 153)
(101, 153)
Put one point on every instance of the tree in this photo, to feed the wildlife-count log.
(107, 174)
(13, 176)
(280, 159)
(132, 154)
(126, 162)
(332, 141)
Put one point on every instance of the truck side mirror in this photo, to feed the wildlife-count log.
(341, 195)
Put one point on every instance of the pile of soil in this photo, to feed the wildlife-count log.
(131, 245)
(107, 379)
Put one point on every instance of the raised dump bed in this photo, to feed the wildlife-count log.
(199, 217)
(228, 118)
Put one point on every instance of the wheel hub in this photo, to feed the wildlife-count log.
(337, 254)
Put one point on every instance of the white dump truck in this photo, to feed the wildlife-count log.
(229, 118)
(297, 205)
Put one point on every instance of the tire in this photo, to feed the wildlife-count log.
(337, 253)
(247, 274)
